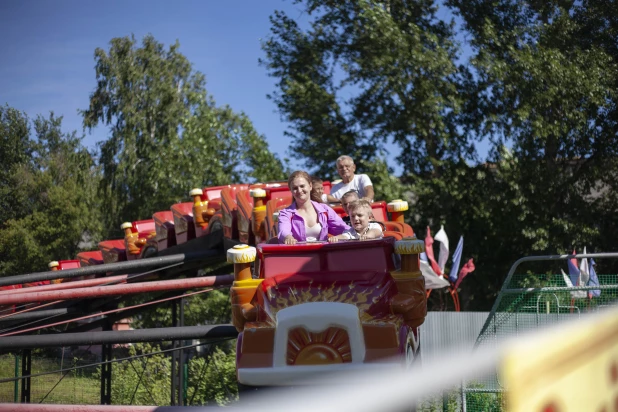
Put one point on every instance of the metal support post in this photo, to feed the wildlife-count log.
(16, 383)
(26, 370)
(181, 358)
(106, 370)
(174, 345)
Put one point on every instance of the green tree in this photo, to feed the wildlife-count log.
(166, 133)
(56, 211)
(539, 87)
(144, 381)
(546, 89)
(365, 73)
(16, 150)
(212, 379)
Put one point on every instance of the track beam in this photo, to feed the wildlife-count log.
(115, 290)
(128, 336)
(125, 267)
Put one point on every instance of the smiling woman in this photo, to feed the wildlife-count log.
(305, 219)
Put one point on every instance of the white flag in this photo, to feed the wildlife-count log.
(576, 294)
(443, 239)
(584, 272)
(432, 280)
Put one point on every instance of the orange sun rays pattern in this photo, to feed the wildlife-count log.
(310, 348)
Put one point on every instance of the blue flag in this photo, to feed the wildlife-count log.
(594, 281)
(456, 261)
(573, 273)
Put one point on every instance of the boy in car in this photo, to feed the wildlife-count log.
(362, 228)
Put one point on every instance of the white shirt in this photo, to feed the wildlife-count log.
(351, 233)
(312, 233)
(358, 183)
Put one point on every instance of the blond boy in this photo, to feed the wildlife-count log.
(362, 229)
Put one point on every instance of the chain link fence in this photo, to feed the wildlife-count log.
(77, 386)
(141, 375)
(528, 303)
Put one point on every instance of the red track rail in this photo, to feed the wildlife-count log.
(67, 285)
(114, 290)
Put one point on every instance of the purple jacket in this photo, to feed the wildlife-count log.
(290, 222)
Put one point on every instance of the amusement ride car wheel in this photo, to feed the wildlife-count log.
(149, 251)
(215, 226)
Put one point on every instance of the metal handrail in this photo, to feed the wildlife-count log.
(515, 265)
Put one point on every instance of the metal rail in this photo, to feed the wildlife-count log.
(68, 285)
(12, 407)
(123, 289)
(110, 267)
(129, 336)
(103, 316)
(38, 314)
(505, 290)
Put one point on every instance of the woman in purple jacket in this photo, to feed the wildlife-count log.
(305, 219)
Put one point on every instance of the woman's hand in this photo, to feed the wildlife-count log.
(333, 239)
(289, 240)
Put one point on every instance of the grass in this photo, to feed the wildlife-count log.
(81, 386)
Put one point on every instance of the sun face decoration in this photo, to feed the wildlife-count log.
(310, 348)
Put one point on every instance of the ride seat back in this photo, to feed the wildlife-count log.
(393, 234)
(68, 264)
(183, 222)
(403, 228)
(164, 228)
(281, 192)
(113, 250)
(327, 187)
(272, 206)
(229, 209)
(145, 228)
(245, 209)
(94, 257)
(213, 192)
(379, 211)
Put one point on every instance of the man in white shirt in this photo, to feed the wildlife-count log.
(349, 181)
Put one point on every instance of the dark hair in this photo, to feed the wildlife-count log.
(315, 179)
(350, 192)
(297, 174)
(314, 196)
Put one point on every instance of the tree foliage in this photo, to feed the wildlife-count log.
(16, 150)
(147, 380)
(366, 73)
(52, 187)
(547, 91)
(166, 133)
(538, 89)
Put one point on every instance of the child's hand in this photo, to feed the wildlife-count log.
(368, 236)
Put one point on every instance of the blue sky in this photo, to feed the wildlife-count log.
(47, 50)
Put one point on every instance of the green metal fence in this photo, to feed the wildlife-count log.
(529, 302)
(78, 386)
(141, 375)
